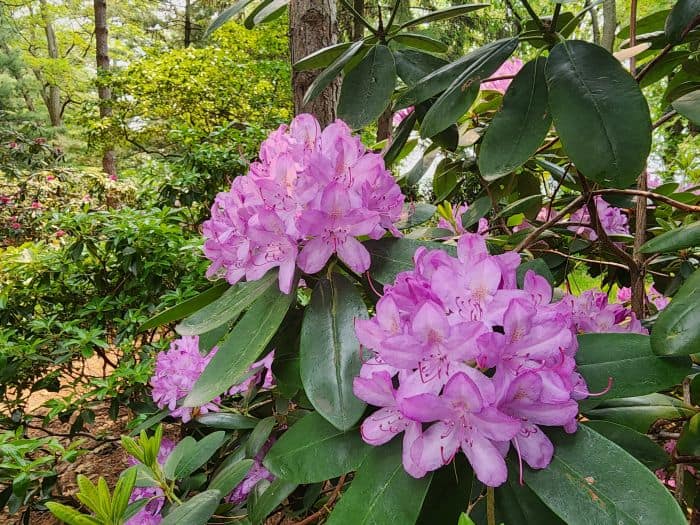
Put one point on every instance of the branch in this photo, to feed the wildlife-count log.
(653, 62)
(326, 508)
(574, 204)
(651, 195)
(665, 118)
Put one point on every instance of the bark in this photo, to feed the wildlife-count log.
(358, 28)
(384, 124)
(51, 93)
(104, 92)
(595, 26)
(188, 23)
(609, 24)
(312, 26)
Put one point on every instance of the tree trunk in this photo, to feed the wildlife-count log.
(51, 93)
(595, 26)
(104, 93)
(188, 23)
(609, 24)
(312, 26)
(358, 28)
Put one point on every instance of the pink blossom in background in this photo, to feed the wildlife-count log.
(624, 294)
(592, 313)
(653, 180)
(456, 226)
(50, 177)
(175, 374)
(60, 233)
(255, 475)
(510, 67)
(612, 219)
(112, 177)
(262, 370)
(36, 205)
(463, 360)
(311, 194)
(150, 513)
(659, 300)
(401, 115)
(542, 216)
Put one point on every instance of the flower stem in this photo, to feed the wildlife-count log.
(490, 506)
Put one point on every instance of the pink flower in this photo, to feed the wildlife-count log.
(260, 370)
(310, 196)
(401, 115)
(613, 221)
(36, 205)
(50, 177)
(112, 177)
(653, 180)
(60, 233)
(15, 225)
(456, 226)
(593, 314)
(255, 475)
(177, 370)
(510, 67)
(86, 198)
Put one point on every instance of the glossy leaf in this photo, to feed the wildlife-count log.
(271, 11)
(640, 412)
(398, 141)
(416, 213)
(228, 478)
(329, 350)
(539, 266)
(227, 421)
(449, 493)
(647, 24)
(443, 14)
(186, 307)
(462, 92)
(689, 442)
(520, 206)
(321, 58)
(477, 210)
(200, 454)
(69, 515)
(313, 450)
(241, 347)
(684, 14)
(677, 239)
(328, 75)
(599, 112)
(227, 307)
(367, 89)
(382, 493)
(195, 511)
(419, 41)
(517, 503)
(521, 125)
(249, 21)
(636, 444)
(592, 481)
(444, 182)
(391, 256)
(226, 15)
(412, 65)
(259, 436)
(677, 329)
(689, 106)
(635, 370)
(273, 496)
(184, 448)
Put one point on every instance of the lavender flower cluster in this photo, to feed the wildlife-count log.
(457, 346)
(311, 194)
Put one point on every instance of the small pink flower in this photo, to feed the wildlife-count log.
(653, 180)
(60, 233)
(36, 205)
(15, 226)
(50, 177)
(13, 145)
(508, 68)
(112, 177)
(86, 198)
(40, 140)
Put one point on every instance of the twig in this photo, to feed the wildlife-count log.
(665, 118)
(651, 195)
(326, 508)
(547, 145)
(581, 259)
(576, 203)
(652, 62)
(533, 15)
(491, 503)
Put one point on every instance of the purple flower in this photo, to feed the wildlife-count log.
(176, 372)
(510, 67)
(255, 475)
(456, 226)
(612, 220)
(150, 513)
(260, 370)
(311, 194)
(592, 313)
(400, 115)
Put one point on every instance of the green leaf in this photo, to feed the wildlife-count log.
(684, 15)
(184, 448)
(195, 511)
(465, 520)
(677, 239)
(633, 367)
(517, 503)
(593, 481)
(227, 307)
(444, 182)
(520, 206)
(295, 456)
(521, 125)
(599, 112)
(328, 75)
(640, 412)
(689, 106)
(69, 515)
(420, 42)
(249, 21)
(689, 442)
(400, 138)
(200, 454)
(122, 492)
(539, 266)
(241, 347)
(443, 14)
(382, 492)
(412, 65)
(269, 12)
(259, 436)
(275, 494)
(367, 89)
(460, 95)
(449, 493)
(321, 58)
(477, 210)
(416, 213)
(647, 24)
(440, 79)
(226, 15)
(677, 329)
(227, 421)
(636, 444)
(391, 256)
(229, 477)
(186, 307)
(329, 350)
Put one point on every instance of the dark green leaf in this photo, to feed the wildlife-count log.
(195, 511)
(477, 210)
(449, 493)
(382, 493)
(689, 106)
(412, 65)
(640, 412)
(226, 15)
(677, 239)
(520, 206)
(636, 444)
(444, 183)
(517, 503)
(633, 367)
(420, 42)
(249, 21)
(150, 421)
(275, 494)
(329, 350)
(593, 481)
(677, 329)
(443, 14)
(259, 436)
(227, 307)
(200, 454)
(321, 58)
(241, 347)
(270, 12)
(184, 448)
(462, 92)
(391, 256)
(600, 113)
(684, 15)
(227, 421)
(367, 89)
(400, 138)
(230, 476)
(539, 266)
(186, 307)
(647, 24)
(328, 75)
(689, 442)
(519, 127)
(416, 213)
(295, 456)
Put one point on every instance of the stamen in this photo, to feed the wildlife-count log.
(520, 461)
(371, 284)
(603, 392)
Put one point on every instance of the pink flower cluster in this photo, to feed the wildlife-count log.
(592, 313)
(613, 221)
(150, 514)
(463, 359)
(510, 67)
(176, 372)
(312, 193)
(655, 297)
